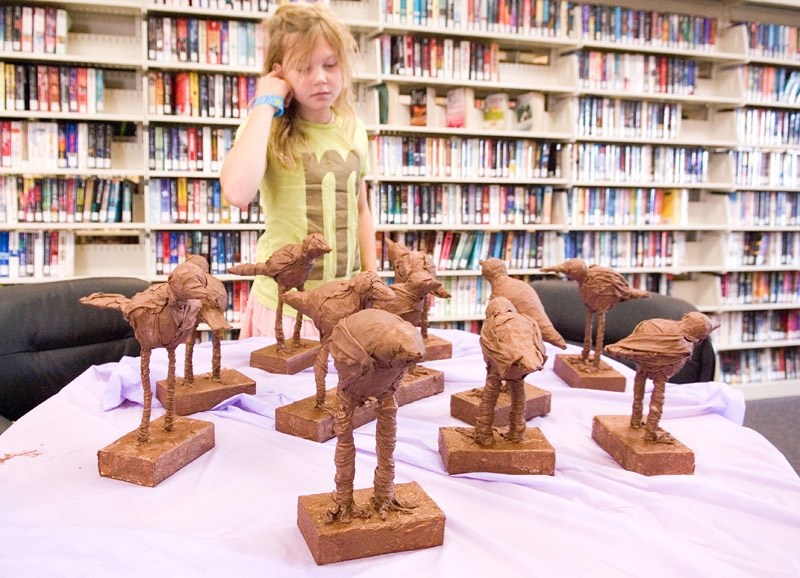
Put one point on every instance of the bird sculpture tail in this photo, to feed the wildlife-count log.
(248, 269)
(109, 300)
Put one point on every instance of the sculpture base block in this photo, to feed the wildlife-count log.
(294, 360)
(302, 419)
(163, 455)
(437, 348)
(205, 392)
(460, 454)
(332, 542)
(571, 368)
(628, 447)
(464, 405)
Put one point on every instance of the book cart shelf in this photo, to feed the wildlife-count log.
(673, 159)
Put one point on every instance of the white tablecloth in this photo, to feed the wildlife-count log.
(232, 512)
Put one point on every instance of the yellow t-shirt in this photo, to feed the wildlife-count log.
(319, 196)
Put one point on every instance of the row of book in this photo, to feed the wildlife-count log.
(768, 127)
(449, 156)
(451, 204)
(48, 88)
(36, 254)
(618, 117)
(611, 206)
(222, 249)
(190, 93)
(763, 208)
(760, 287)
(761, 248)
(625, 248)
(194, 40)
(37, 29)
(540, 17)
(640, 163)
(196, 201)
(772, 84)
(66, 200)
(45, 145)
(637, 73)
(238, 5)
(430, 56)
(188, 148)
(646, 27)
(759, 365)
(758, 168)
(757, 326)
(464, 250)
(772, 40)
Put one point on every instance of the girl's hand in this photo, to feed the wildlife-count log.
(274, 83)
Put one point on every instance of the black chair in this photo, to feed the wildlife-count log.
(48, 338)
(563, 305)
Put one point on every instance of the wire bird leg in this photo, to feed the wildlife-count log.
(144, 426)
(599, 337)
(587, 337)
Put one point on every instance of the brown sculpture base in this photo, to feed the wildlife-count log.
(293, 360)
(464, 405)
(437, 348)
(163, 455)
(336, 541)
(629, 448)
(302, 419)
(205, 392)
(575, 372)
(460, 454)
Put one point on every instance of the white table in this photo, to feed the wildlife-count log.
(232, 512)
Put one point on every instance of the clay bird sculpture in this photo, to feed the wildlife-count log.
(371, 350)
(523, 296)
(659, 348)
(330, 303)
(512, 348)
(163, 315)
(601, 288)
(411, 296)
(212, 313)
(405, 262)
(290, 267)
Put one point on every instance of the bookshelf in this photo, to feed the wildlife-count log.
(671, 157)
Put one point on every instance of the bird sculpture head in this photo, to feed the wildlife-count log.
(696, 326)
(315, 245)
(493, 268)
(573, 269)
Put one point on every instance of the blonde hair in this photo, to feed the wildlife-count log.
(292, 33)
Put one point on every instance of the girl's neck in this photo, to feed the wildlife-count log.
(322, 117)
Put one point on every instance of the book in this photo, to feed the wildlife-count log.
(496, 111)
(459, 107)
(422, 108)
(529, 111)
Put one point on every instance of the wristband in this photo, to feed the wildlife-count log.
(274, 101)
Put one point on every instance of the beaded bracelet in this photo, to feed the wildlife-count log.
(274, 101)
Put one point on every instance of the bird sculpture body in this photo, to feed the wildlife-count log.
(600, 288)
(328, 304)
(290, 267)
(163, 315)
(523, 296)
(512, 348)
(659, 348)
(371, 350)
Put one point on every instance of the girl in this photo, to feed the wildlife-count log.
(302, 147)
